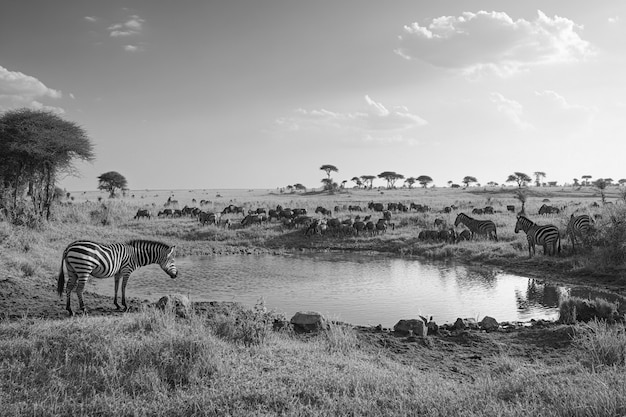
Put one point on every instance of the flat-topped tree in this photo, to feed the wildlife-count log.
(391, 178)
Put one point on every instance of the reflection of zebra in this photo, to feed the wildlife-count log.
(481, 227)
(84, 258)
(578, 226)
(547, 236)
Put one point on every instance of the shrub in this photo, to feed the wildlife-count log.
(573, 309)
(601, 343)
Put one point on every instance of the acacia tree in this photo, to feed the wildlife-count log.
(424, 180)
(112, 181)
(538, 176)
(520, 178)
(601, 184)
(410, 181)
(586, 179)
(368, 179)
(468, 180)
(391, 178)
(36, 147)
(329, 169)
(357, 181)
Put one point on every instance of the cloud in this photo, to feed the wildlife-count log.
(512, 109)
(376, 123)
(131, 48)
(21, 90)
(131, 27)
(614, 19)
(492, 41)
(90, 18)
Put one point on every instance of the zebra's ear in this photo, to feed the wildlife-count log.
(171, 251)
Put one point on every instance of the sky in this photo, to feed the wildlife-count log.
(260, 94)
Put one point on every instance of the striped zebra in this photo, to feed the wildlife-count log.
(84, 258)
(578, 226)
(548, 236)
(481, 227)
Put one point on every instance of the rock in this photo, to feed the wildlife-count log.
(412, 327)
(177, 303)
(489, 324)
(308, 321)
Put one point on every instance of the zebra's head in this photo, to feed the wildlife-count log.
(519, 225)
(168, 264)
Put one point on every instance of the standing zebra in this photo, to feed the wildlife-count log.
(84, 258)
(548, 236)
(578, 226)
(481, 227)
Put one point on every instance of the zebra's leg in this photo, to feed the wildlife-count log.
(124, 282)
(79, 293)
(117, 285)
(71, 283)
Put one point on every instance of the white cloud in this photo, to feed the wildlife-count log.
(512, 109)
(90, 18)
(131, 27)
(20, 90)
(131, 48)
(493, 41)
(376, 123)
(614, 19)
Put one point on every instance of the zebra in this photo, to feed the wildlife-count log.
(547, 235)
(83, 258)
(578, 226)
(481, 227)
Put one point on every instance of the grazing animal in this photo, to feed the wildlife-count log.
(324, 211)
(166, 213)
(143, 213)
(358, 226)
(84, 258)
(547, 235)
(464, 235)
(205, 218)
(510, 208)
(578, 226)
(545, 209)
(480, 227)
(376, 206)
(428, 235)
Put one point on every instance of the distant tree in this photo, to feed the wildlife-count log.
(586, 179)
(492, 184)
(329, 185)
(343, 183)
(450, 183)
(576, 183)
(609, 181)
(368, 179)
(36, 147)
(299, 187)
(424, 180)
(622, 181)
(357, 181)
(455, 185)
(520, 178)
(538, 176)
(112, 181)
(469, 180)
(410, 181)
(391, 178)
(329, 169)
(522, 196)
(601, 185)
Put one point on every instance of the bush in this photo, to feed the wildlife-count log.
(574, 309)
(601, 343)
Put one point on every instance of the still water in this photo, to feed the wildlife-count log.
(355, 288)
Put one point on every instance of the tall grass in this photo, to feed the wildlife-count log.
(152, 363)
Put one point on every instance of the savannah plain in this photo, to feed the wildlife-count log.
(227, 359)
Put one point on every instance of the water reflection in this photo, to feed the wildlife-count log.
(356, 288)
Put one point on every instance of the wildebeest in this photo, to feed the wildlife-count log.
(143, 213)
(545, 209)
(510, 208)
(376, 206)
(324, 211)
(204, 218)
(166, 213)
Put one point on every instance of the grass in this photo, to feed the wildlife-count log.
(151, 363)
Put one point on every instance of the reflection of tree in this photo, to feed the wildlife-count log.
(472, 276)
(538, 294)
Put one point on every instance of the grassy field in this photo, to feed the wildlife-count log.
(227, 360)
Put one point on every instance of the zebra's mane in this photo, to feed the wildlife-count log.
(135, 242)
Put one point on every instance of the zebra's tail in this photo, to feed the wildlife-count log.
(61, 279)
